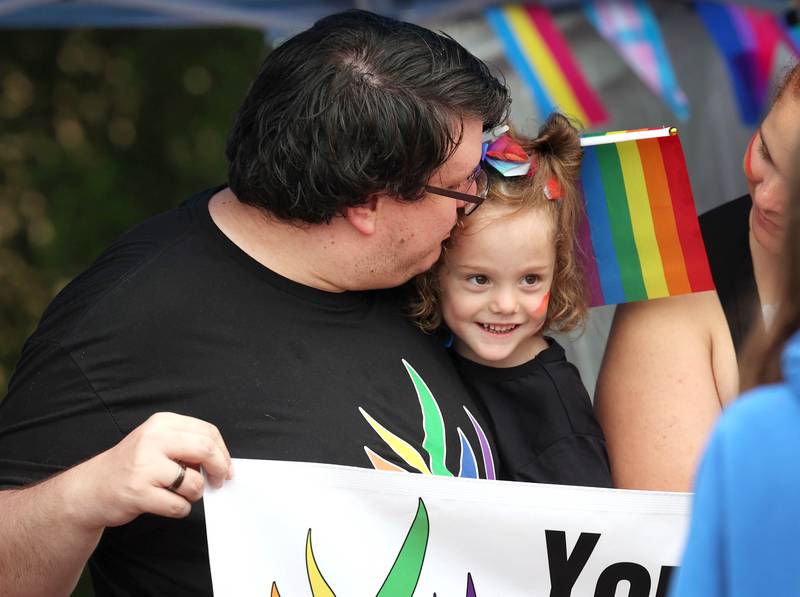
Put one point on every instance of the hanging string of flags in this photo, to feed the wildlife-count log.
(631, 27)
(747, 38)
(540, 54)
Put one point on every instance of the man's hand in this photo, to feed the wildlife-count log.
(134, 477)
(50, 529)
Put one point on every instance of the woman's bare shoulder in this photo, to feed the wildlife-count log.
(666, 372)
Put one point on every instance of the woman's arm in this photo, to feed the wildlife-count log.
(668, 366)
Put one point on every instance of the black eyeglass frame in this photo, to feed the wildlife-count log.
(473, 200)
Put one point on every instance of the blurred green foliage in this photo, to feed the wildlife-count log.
(99, 130)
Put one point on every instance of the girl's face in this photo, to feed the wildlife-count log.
(495, 284)
(769, 166)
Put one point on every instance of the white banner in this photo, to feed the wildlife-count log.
(299, 530)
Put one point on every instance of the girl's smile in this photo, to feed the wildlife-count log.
(499, 329)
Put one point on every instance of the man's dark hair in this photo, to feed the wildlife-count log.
(355, 105)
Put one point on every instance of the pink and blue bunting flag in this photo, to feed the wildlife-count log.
(631, 27)
(748, 39)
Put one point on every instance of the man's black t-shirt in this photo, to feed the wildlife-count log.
(175, 317)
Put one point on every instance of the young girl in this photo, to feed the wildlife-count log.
(508, 274)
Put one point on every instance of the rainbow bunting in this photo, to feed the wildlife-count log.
(541, 56)
(641, 238)
(631, 27)
(748, 38)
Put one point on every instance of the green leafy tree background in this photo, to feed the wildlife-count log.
(98, 131)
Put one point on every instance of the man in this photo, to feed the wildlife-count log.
(253, 313)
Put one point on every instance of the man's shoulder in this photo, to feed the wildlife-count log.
(126, 260)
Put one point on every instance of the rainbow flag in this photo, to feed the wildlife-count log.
(541, 56)
(641, 237)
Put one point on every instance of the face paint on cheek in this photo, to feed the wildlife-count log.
(541, 310)
(748, 156)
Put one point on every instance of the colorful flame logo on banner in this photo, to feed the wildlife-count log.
(403, 577)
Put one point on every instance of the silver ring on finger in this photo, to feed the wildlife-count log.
(175, 485)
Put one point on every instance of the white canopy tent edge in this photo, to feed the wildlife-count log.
(278, 17)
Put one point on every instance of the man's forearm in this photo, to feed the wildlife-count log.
(49, 530)
(43, 543)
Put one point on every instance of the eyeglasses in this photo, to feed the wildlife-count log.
(479, 179)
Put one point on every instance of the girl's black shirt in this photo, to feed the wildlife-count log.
(541, 418)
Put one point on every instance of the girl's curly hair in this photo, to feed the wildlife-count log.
(557, 152)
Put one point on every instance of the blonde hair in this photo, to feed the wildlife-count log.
(556, 150)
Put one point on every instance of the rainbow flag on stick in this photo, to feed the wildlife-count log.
(541, 56)
(641, 238)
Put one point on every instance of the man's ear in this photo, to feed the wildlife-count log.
(364, 217)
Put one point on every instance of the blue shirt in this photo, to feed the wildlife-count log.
(745, 531)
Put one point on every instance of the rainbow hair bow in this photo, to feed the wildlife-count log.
(508, 158)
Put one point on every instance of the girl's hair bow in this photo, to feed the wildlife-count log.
(506, 155)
